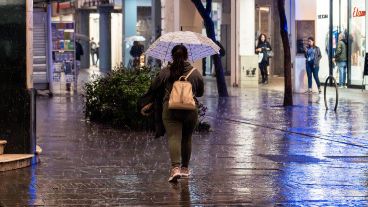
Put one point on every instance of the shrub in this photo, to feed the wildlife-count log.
(112, 98)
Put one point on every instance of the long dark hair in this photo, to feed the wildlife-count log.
(179, 55)
(312, 39)
(260, 38)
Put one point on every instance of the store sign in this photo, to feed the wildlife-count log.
(323, 16)
(358, 13)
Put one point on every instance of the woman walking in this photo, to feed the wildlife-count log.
(179, 124)
(263, 48)
(313, 57)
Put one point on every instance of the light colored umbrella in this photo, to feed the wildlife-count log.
(135, 38)
(198, 45)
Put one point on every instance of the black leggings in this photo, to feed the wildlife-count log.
(263, 67)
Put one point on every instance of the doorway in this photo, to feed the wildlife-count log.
(263, 26)
(116, 36)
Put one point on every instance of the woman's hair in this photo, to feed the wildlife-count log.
(260, 38)
(312, 39)
(179, 55)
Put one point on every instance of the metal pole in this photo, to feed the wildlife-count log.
(330, 48)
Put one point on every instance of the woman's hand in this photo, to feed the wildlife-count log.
(145, 109)
(259, 50)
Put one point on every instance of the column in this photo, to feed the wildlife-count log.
(246, 27)
(156, 18)
(234, 61)
(242, 36)
(226, 34)
(130, 22)
(105, 37)
(15, 77)
(84, 30)
(49, 48)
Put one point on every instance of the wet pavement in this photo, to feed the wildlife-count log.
(258, 154)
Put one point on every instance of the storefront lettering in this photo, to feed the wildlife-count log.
(358, 13)
(322, 16)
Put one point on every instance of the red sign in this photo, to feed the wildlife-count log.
(358, 13)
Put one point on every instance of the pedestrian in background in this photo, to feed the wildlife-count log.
(263, 49)
(341, 59)
(136, 51)
(179, 124)
(313, 57)
(93, 47)
(97, 52)
(78, 53)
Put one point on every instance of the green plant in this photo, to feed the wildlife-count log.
(112, 98)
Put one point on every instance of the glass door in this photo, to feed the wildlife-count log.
(340, 25)
(357, 39)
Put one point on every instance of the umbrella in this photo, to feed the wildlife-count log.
(81, 37)
(198, 45)
(135, 38)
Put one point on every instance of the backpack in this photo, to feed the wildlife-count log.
(181, 96)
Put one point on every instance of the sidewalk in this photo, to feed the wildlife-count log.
(259, 154)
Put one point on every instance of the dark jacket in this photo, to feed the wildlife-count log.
(341, 52)
(154, 96)
(317, 57)
(264, 45)
(160, 89)
(78, 51)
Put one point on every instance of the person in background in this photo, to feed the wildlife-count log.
(93, 47)
(341, 59)
(313, 57)
(263, 47)
(136, 51)
(78, 53)
(97, 53)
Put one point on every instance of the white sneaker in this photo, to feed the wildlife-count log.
(309, 91)
(174, 174)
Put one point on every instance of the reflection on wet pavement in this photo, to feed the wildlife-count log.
(259, 154)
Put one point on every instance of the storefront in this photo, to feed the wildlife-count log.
(349, 17)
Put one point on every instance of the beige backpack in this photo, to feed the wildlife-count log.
(181, 96)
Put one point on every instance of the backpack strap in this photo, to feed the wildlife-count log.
(187, 76)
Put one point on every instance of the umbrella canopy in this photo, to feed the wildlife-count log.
(198, 45)
(135, 38)
(81, 37)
